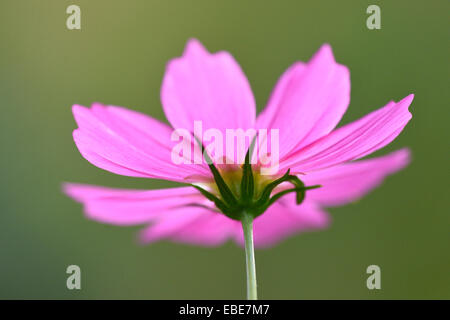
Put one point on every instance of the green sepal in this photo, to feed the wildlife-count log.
(265, 195)
(298, 184)
(263, 207)
(208, 195)
(285, 178)
(247, 182)
(232, 213)
(284, 192)
(225, 192)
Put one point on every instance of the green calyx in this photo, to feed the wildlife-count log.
(247, 197)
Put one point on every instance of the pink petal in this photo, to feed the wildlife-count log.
(130, 143)
(194, 226)
(308, 101)
(352, 141)
(207, 87)
(131, 207)
(348, 182)
(284, 218)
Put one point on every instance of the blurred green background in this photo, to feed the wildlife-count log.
(119, 56)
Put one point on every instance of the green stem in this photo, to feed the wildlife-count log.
(247, 227)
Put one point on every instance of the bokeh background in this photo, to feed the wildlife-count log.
(119, 56)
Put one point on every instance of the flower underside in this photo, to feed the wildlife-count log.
(241, 190)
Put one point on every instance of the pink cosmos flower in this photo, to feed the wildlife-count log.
(306, 105)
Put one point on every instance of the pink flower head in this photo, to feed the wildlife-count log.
(306, 105)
